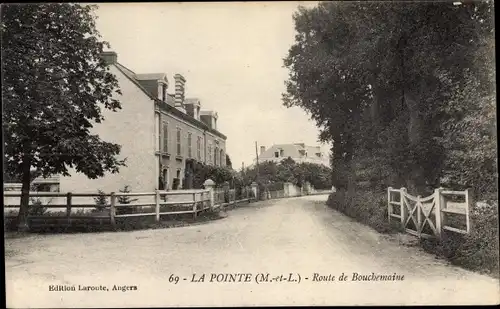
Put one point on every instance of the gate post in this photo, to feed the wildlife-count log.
(389, 206)
(255, 190)
(469, 204)
(402, 193)
(437, 212)
(210, 184)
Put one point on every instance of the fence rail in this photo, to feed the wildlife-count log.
(196, 200)
(428, 217)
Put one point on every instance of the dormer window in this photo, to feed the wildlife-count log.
(164, 92)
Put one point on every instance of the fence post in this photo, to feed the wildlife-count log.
(437, 212)
(210, 184)
(112, 209)
(255, 190)
(157, 205)
(468, 206)
(194, 206)
(389, 205)
(68, 204)
(402, 193)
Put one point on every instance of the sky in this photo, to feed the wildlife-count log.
(231, 55)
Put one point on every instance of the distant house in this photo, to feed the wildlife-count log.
(161, 135)
(299, 152)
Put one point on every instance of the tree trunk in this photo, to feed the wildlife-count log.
(415, 180)
(22, 218)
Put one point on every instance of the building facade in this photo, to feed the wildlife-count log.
(161, 134)
(299, 152)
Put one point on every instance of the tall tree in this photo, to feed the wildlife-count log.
(371, 75)
(54, 86)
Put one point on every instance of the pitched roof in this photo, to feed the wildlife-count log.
(169, 105)
(290, 150)
(150, 76)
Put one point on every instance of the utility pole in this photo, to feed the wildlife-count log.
(257, 161)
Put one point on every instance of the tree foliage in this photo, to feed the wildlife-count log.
(381, 80)
(54, 86)
(228, 161)
(202, 172)
(288, 170)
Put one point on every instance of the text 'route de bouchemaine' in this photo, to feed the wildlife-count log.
(284, 277)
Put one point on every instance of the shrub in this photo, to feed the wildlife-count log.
(477, 250)
(125, 200)
(37, 208)
(366, 207)
(276, 186)
(100, 201)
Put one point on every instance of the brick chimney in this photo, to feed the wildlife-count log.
(180, 83)
(110, 57)
(262, 149)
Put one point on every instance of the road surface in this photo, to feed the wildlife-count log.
(300, 236)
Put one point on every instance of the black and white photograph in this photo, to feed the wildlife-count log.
(247, 154)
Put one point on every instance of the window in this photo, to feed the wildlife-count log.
(179, 141)
(198, 148)
(216, 154)
(165, 137)
(43, 187)
(209, 153)
(189, 145)
(276, 154)
(164, 92)
(222, 158)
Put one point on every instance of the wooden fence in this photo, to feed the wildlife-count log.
(428, 217)
(153, 204)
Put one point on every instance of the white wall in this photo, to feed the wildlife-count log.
(133, 128)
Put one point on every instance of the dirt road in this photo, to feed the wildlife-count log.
(298, 235)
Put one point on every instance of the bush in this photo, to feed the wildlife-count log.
(276, 186)
(366, 207)
(37, 208)
(125, 200)
(100, 201)
(478, 250)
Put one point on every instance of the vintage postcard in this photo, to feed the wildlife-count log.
(249, 154)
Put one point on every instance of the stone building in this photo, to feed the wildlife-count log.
(299, 152)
